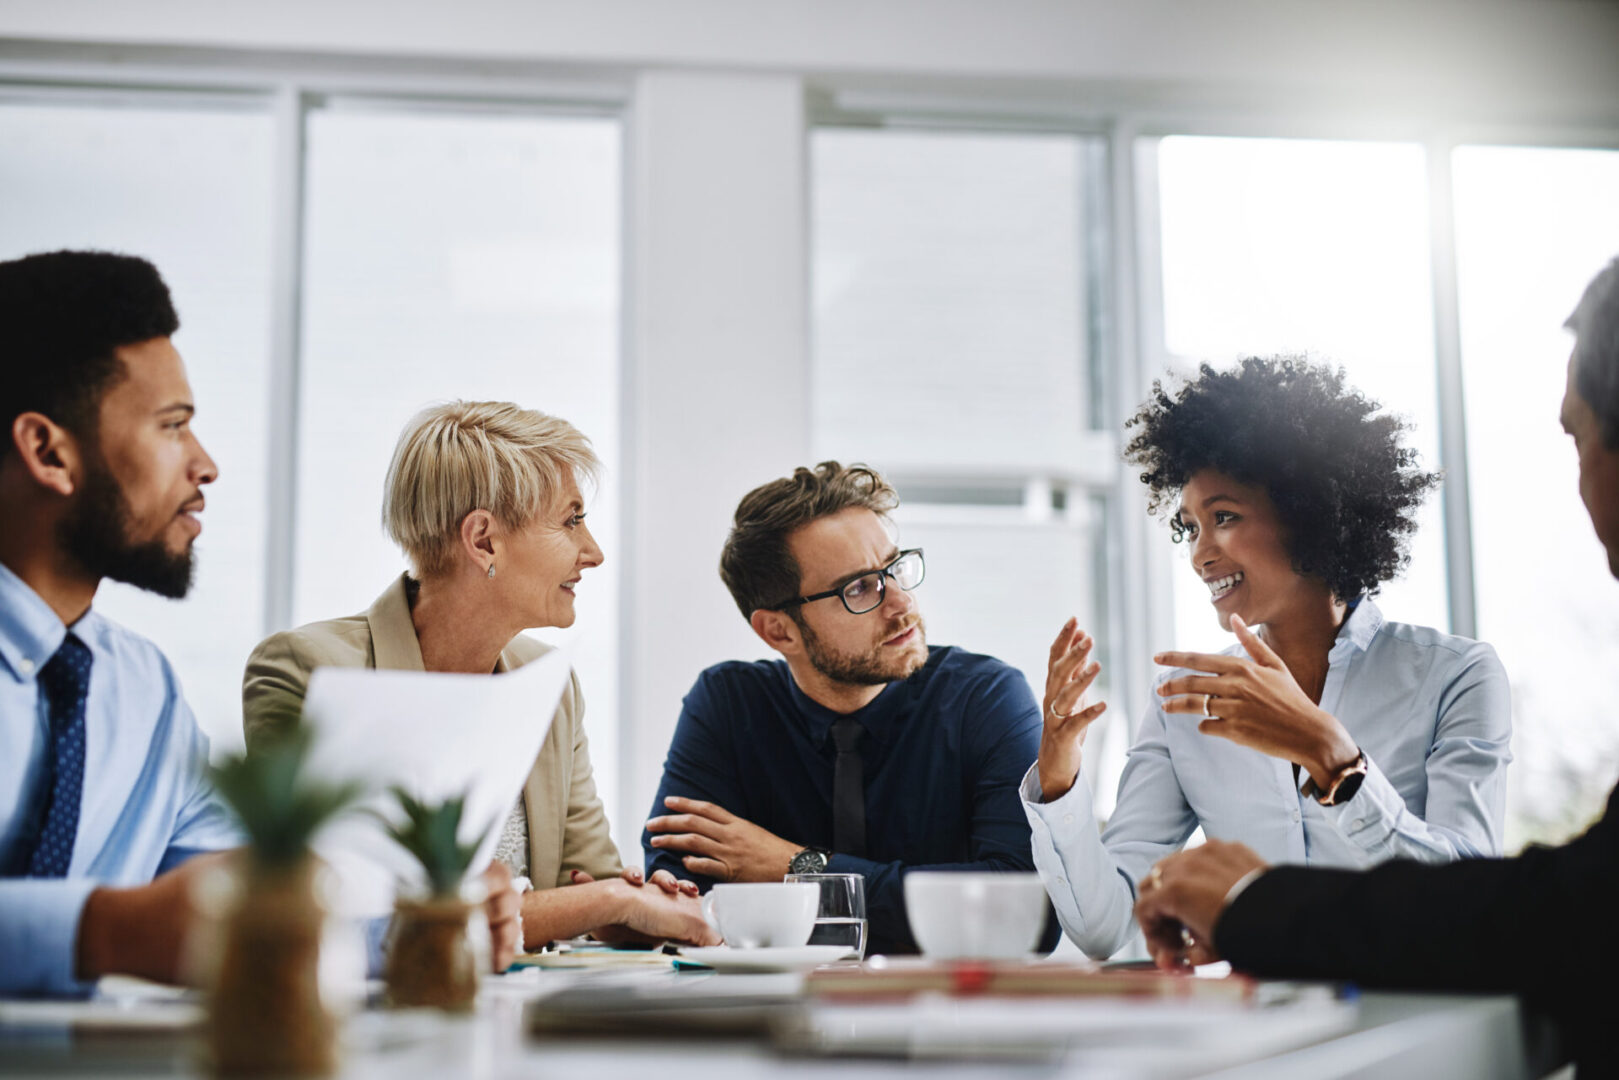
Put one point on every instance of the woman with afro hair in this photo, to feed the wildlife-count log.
(1327, 734)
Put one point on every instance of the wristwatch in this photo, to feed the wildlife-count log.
(809, 861)
(1342, 787)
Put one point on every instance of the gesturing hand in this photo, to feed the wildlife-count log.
(1068, 676)
(718, 844)
(1180, 901)
(1255, 701)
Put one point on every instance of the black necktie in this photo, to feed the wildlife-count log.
(65, 678)
(848, 790)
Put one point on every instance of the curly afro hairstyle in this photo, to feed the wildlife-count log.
(1345, 490)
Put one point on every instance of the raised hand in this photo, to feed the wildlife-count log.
(1069, 673)
(1254, 700)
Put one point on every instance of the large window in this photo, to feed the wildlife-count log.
(449, 251)
(455, 255)
(188, 188)
(956, 349)
(1533, 226)
(1290, 246)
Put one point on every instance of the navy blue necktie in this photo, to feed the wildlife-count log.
(65, 679)
(848, 789)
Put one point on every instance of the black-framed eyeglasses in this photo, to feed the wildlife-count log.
(866, 592)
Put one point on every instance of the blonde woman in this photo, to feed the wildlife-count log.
(484, 500)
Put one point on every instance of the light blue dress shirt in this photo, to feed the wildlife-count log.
(1432, 712)
(147, 805)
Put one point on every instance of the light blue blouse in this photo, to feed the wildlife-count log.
(1432, 712)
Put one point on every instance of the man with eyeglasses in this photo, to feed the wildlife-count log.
(861, 750)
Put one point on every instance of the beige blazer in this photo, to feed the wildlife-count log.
(567, 827)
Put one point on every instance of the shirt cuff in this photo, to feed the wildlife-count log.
(1034, 798)
(1242, 883)
(1371, 818)
(851, 864)
(39, 935)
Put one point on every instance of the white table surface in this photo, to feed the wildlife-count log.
(1313, 1036)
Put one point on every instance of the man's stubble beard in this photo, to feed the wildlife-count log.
(865, 669)
(95, 534)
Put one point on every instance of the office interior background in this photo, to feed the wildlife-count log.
(957, 240)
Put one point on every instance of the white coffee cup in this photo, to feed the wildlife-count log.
(982, 916)
(762, 914)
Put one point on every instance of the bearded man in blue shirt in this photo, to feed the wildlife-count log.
(104, 799)
(862, 750)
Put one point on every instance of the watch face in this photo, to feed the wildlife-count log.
(808, 861)
(1347, 787)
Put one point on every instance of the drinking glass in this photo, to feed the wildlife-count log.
(841, 918)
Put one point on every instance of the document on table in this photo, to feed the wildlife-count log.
(435, 735)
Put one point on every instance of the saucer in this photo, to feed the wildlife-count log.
(768, 958)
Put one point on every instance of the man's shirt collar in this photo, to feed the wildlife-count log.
(30, 632)
(878, 717)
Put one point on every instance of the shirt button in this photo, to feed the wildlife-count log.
(1296, 816)
(1068, 819)
(1062, 881)
(27, 667)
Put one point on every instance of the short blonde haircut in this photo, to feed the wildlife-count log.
(463, 456)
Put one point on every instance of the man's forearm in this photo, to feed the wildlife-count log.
(138, 931)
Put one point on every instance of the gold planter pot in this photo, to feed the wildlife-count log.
(432, 959)
(266, 1013)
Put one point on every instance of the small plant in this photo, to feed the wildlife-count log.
(279, 810)
(431, 958)
(429, 832)
(266, 1012)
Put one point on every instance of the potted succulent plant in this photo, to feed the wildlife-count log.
(432, 958)
(266, 1013)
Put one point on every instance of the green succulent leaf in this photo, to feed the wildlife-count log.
(278, 808)
(429, 833)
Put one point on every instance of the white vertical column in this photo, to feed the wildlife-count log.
(716, 378)
(1447, 322)
(285, 345)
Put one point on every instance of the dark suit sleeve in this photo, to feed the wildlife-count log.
(1536, 925)
(1002, 739)
(701, 765)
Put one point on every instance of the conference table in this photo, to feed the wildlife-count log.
(1286, 1031)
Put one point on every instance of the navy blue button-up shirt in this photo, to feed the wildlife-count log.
(943, 754)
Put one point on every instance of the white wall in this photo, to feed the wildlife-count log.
(1493, 58)
(715, 390)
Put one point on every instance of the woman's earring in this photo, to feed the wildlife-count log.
(491, 569)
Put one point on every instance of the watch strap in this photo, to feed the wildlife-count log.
(1344, 784)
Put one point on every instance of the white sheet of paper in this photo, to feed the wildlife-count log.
(436, 736)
